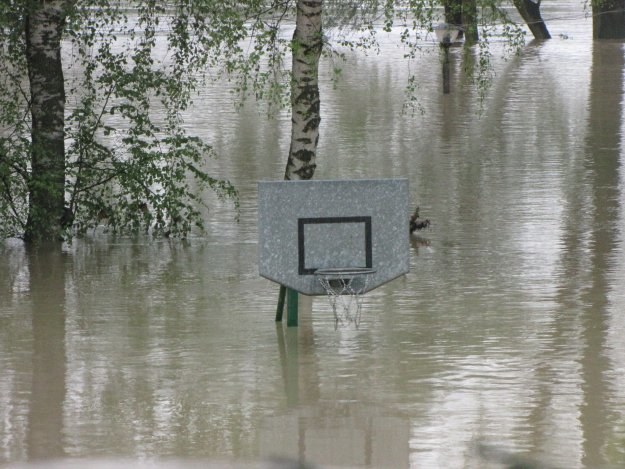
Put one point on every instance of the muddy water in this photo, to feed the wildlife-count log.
(506, 339)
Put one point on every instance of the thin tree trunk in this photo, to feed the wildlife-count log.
(305, 101)
(453, 15)
(469, 22)
(463, 13)
(530, 12)
(608, 19)
(44, 27)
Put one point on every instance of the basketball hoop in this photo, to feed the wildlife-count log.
(344, 288)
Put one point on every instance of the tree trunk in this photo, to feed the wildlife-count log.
(44, 27)
(530, 12)
(469, 22)
(608, 19)
(305, 102)
(305, 107)
(453, 14)
(463, 13)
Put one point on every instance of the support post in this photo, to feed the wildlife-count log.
(292, 300)
(280, 309)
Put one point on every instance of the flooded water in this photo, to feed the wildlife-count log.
(506, 340)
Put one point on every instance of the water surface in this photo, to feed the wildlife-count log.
(509, 331)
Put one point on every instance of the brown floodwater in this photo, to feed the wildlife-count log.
(506, 339)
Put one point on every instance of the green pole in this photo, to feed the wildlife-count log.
(292, 300)
(280, 309)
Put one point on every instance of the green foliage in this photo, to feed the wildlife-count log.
(257, 63)
(129, 160)
(14, 122)
(13, 189)
(129, 163)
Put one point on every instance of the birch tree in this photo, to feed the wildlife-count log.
(306, 49)
(44, 23)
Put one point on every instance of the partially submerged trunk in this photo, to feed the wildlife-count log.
(305, 102)
(530, 12)
(453, 15)
(463, 14)
(305, 115)
(44, 27)
(469, 21)
(608, 19)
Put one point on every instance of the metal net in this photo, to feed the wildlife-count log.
(344, 289)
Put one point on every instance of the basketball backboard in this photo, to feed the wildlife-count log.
(322, 224)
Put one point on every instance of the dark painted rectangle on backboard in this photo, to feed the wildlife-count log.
(334, 236)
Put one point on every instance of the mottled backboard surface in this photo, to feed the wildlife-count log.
(319, 224)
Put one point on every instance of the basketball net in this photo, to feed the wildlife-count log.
(344, 289)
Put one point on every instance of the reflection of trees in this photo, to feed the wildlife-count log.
(15, 343)
(45, 419)
(159, 359)
(603, 150)
(12, 273)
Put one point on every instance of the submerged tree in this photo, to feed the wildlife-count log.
(470, 22)
(109, 157)
(608, 19)
(530, 12)
(43, 29)
(463, 15)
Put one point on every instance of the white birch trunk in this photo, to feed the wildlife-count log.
(44, 28)
(305, 103)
